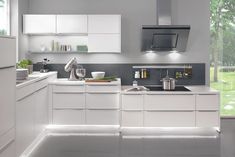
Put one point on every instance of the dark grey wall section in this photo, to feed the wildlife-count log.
(125, 72)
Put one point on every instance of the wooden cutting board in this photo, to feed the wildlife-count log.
(98, 80)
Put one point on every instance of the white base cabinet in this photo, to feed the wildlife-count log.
(159, 110)
(69, 117)
(102, 117)
(90, 104)
(169, 119)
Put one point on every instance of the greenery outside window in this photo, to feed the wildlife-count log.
(4, 17)
(222, 53)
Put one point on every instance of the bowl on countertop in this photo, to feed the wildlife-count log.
(97, 74)
(21, 74)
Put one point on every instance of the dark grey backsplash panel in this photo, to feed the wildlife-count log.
(125, 72)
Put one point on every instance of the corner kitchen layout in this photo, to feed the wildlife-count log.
(117, 78)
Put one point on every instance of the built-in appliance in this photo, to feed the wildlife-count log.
(7, 92)
(164, 36)
(160, 88)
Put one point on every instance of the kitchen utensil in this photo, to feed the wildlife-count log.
(98, 74)
(81, 72)
(168, 83)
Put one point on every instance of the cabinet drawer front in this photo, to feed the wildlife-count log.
(102, 88)
(207, 102)
(69, 100)
(132, 102)
(7, 99)
(68, 117)
(102, 101)
(68, 89)
(24, 91)
(169, 119)
(41, 84)
(132, 118)
(102, 117)
(207, 119)
(169, 102)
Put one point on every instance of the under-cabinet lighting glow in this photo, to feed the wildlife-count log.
(150, 55)
(174, 55)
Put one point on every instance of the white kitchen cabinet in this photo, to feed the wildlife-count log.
(8, 54)
(132, 119)
(25, 119)
(69, 117)
(104, 43)
(69, 100)
(169, 118)
(103, 24)
(207, 102)
(102, 101)
(207, 119)
(7, 99)
(41, 110)
(132, 102)
(39, 24)
(169, 102)
(102, 117)
(68, 89)
(71, 24)
(102, 88)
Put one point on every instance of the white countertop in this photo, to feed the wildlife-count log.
(65, 81)
(34, 77)
(193, 90)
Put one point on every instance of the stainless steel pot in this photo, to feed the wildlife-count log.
(168, 83)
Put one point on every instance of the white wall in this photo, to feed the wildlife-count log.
(136, 13)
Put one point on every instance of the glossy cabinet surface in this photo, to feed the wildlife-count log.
(104, 24)
(72, 24)
(39, 24)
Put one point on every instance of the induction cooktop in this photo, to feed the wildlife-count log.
(159, 88)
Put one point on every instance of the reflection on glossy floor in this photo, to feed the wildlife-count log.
(116, 146)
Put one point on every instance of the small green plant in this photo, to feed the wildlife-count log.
(24, 63)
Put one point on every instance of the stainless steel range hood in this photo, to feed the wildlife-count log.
(164, 36)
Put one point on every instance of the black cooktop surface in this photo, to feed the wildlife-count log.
(159, 88)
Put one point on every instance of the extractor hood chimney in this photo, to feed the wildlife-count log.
(164, 36)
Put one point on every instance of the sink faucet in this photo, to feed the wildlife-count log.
(71, 67)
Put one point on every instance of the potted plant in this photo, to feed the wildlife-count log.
(26, 64)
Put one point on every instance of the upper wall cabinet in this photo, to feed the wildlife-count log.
(39, 24)
(103, 24)
(72, 24)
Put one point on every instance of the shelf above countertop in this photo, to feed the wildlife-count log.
(58, 52)
(163, 66)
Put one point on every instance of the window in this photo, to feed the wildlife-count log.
(222, 56)
(4, 17)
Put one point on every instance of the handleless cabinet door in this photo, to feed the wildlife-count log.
(41, 110)
(102, 101)
(207, 102)
(7, 99)
(72, 24)
(104, 24)
(68, 117)
(207, 119)
(69, 100)
(169, 119)
(132, 102)
(169, 102)
(39, 24)
(105, 43)
(25, 123)
(8, 51)
(132, 119)
(102, 117)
